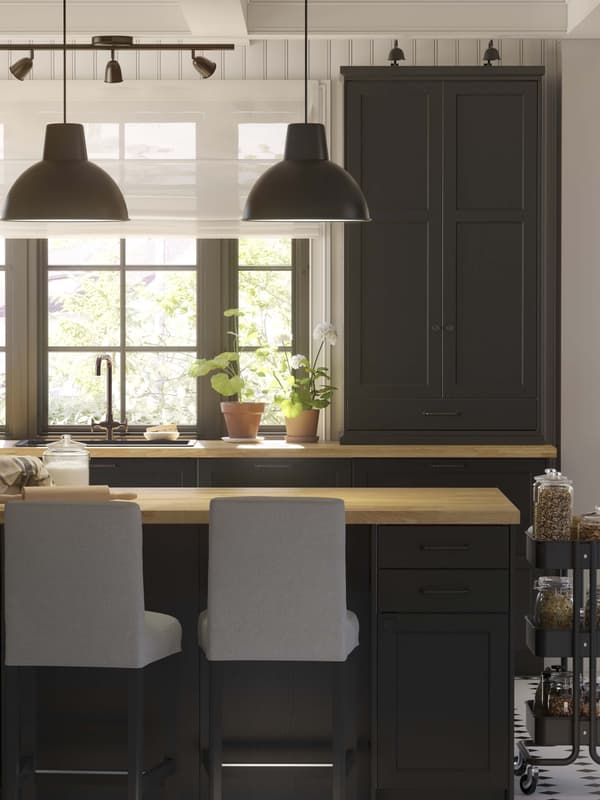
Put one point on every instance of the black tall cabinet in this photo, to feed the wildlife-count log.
(445, 288)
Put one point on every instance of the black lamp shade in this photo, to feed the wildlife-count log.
(204, 66)
(306, 186)
(21, 68)
(112, 73)
(64, 185)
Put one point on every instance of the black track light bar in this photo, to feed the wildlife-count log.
(33, 46)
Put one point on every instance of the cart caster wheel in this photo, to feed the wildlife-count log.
(520, 765)
(529, 781)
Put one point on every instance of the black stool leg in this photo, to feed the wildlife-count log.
(11, 734)
(204, 723)
(28, 703)
(135, 733)
(339, 713)
(215, 748)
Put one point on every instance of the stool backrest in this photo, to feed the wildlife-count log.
(73, 584)
(277, 579)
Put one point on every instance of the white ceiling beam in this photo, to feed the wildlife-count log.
(428, 18)
(159, 19)
(584, 19)
(216, 20)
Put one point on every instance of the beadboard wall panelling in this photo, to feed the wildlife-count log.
(283, 59)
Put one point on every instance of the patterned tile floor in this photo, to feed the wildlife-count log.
(577, 782)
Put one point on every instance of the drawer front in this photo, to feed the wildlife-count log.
(443, 547)
(170, 472)
(275, 472)
(443, 591)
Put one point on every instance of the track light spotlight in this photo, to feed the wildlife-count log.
(21, 68)
(203, 66)
(112, 73)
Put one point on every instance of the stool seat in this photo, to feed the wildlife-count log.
(280, 651)
(162, 637)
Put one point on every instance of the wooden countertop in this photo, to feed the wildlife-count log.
(363, 506)
(280, 449)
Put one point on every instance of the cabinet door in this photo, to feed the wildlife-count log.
(168, 472)
(274, 472)
(393, 264)
(491, 235)
(444, 703)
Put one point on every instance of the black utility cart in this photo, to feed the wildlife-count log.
(579, 643)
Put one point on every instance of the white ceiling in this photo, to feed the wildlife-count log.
(239, 21)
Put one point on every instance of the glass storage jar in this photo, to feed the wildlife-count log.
(559, 700)
(540, 702)
(553, 608)
(586, 615)
(585, 699)
(552, 506)
(68, 462)
(589, 526)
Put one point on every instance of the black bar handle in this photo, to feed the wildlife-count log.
(440, 413)
(272, 466)
(448, 466)
(441, 590)
(103, 466)
(443, 548)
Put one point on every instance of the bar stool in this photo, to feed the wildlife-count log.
(74, 597)
(277, 592)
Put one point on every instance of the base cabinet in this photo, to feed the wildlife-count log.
(444, 706)
(514, 477)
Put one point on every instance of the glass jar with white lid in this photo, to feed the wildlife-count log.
(68, 462)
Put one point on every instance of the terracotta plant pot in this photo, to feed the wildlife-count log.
(302, 428)
(242, 419)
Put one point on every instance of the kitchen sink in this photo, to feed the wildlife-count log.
(115, 443)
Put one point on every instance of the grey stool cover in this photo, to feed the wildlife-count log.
(74, 591)
(277, 581)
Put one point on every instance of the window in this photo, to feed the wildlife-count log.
(136, 300)
(266, 290)
(261, 140)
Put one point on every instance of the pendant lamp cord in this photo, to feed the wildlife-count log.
(64, 5)
(305, 61)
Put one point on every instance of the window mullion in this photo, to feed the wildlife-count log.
(123, 333)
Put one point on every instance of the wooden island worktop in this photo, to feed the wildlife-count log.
(364, 506)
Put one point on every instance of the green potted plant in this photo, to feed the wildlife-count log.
(229, 379)
(306, 389)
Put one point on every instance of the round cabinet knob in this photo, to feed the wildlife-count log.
(449, 328)
(436, 328)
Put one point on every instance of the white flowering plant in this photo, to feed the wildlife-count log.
(229, 377)
(305, 385)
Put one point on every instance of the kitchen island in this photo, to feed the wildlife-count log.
(429, 576)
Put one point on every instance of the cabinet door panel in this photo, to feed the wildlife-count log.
(444, 727)
(393, 265)
(491, 233)
(399, 288)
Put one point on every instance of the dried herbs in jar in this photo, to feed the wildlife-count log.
(552, 506)
(553, 603)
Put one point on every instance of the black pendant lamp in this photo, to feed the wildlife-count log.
(306, 186)
(64, 186)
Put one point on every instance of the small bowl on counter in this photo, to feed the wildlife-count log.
(161, 436)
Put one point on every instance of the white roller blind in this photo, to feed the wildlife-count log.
(185, 153)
